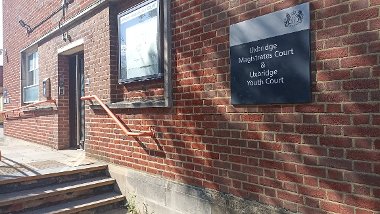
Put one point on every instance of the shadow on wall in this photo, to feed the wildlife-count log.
(300, 157)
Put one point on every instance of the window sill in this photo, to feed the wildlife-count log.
(38, 109)
(133, 105)
(29, 102)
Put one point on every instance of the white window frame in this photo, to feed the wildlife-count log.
(26, 82)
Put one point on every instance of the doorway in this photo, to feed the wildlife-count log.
(76, 105)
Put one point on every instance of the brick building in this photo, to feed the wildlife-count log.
(207, 155)
(1, 88)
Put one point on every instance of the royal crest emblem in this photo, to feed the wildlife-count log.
(294, 18)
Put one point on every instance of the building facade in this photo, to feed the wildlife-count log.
(1, 88)
(207, 155)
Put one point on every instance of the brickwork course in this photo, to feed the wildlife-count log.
(320, 157)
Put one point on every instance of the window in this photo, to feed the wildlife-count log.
(30, 77)
(140, 42)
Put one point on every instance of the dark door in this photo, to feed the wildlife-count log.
(76, 108)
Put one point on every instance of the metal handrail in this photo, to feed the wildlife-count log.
(27, 106)
(149, 133)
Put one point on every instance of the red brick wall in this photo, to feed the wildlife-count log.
(1, 76)
(51, 128)
(321, 157)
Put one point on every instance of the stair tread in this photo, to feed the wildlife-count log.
(76, 170)
(80, 205)
(9, 198)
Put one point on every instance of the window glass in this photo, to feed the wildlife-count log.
(32, 73)
(139, 38)
(30, 62)
(31, 77)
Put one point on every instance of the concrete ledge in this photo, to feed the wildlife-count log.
(132, 105)
(72, 48)
(163, 196)
(40, 109)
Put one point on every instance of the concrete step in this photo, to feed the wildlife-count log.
(95, 204)
(120, 210)
(52, 194)
(81, 190)
(30, 182)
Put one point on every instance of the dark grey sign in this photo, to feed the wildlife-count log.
(270, 58)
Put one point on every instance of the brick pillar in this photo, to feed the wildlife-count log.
(63, 104)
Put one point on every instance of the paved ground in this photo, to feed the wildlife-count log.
(20, 158)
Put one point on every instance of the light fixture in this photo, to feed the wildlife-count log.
(24, 25)
(63, 7)
(66, 37)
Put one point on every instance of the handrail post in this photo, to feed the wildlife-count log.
(149, 133)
